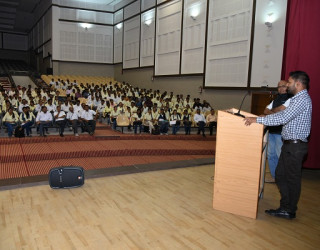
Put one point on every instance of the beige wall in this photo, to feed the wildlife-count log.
(219, 99)
(83, 69)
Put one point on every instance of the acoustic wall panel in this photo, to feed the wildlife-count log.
(35, 37)
(268, 43)
(47, 26)
(118, 35)
(147, 38)
(161, 1)
(47, 48)
(193, 42)
(85, 4)
(86, 16)
(73, 42)
(118, 16)
(147, 4)
(168, 38)
(228, 43)
(131, 9)
(131, 40)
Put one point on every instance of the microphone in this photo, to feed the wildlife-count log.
(238, 113)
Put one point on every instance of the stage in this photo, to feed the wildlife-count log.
(108, 152)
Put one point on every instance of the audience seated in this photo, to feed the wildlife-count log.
(186, 118)
(88, 118)
(163, 122)
(137, 121)
(175, 122)
(73, 120)
(211, 120)
(10, 120)
(105, 101)
(148, 120)
(44, 119)
(59, 119)
(200, 121)
(27, 119)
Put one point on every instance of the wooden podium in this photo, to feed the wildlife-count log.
(239, 164)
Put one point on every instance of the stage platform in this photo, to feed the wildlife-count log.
(108, 152)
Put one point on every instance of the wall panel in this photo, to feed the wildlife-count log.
(131, 40)
(147, 38)
(86, 16)
(168, 38)
(193, 42)
(147, 4)
(118, 35)
(228, 43)
(131, 9)
(118, 16)
(268, 43)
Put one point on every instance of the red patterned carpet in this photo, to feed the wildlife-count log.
(35, 156)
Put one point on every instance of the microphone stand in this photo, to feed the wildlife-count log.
(238, 113)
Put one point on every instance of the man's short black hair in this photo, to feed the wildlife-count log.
(300, 76)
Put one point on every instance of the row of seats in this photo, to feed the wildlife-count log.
(12, 65)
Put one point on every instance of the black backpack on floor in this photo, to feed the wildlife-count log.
(19, 132)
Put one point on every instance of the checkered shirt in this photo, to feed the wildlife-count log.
(296, 118)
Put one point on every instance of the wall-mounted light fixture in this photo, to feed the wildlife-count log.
(194, 11)
(148, 17)
(86, 26)
(148, 22)
(119, 26)
(268, 24)
(269, 20)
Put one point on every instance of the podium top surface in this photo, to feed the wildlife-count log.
(234, 111)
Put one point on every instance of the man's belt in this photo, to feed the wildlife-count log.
(293, 141)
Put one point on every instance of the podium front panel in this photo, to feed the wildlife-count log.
(237, 165)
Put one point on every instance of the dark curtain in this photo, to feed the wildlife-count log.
(302, 52)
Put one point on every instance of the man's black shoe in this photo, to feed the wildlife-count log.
(281, 213)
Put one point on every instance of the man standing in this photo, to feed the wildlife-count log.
(275, 141)
(296, 119)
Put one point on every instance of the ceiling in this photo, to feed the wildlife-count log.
(18, 15)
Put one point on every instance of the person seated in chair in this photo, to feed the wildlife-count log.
(10, 120)
(128, 114)
(73, 118)
(163, 122)
(59, 117)
(27, 119)
(211, 120)
(88, 117)
(148, 120)
(43, 120)
(175, 122)
(186, 118)
(106, 112)
(201, 121)
(51, 107)
(113, 117)
(137, 121)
